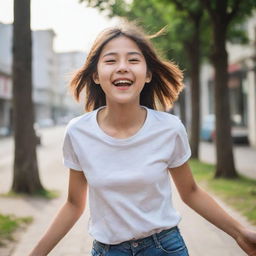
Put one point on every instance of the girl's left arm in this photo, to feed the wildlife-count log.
(207, 207)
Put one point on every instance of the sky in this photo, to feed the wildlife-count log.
(74, 24)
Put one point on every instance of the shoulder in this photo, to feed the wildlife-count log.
(79, 122)
(166, 119)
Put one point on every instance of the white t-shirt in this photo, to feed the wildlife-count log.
(129, 184)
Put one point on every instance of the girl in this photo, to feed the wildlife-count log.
(124, 150)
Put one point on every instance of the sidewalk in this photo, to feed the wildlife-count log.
(200, 236)
(244, 156)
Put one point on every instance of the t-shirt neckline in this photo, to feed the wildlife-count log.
(120, 140)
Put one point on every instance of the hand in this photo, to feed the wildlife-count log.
(247, 241)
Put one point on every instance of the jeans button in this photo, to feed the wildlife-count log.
(134, 244)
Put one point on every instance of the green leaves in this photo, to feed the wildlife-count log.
(182, 18)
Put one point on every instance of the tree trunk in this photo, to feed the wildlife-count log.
(26, 177)
(224, 151)
(194, 59)
(182, 104)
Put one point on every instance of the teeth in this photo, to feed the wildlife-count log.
(122, 82)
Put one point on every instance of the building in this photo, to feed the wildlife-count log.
(43, 65)
(242, 84)
(44, 74)
(51, 72)
(242, 70)
(5, 79)
(5, 103)
(68, 63)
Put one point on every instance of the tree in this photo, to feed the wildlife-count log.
(222, 13)
(26, 176)
(192, 43)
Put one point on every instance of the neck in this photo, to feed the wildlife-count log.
(123, 116)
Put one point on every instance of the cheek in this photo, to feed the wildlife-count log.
(142, 73)
(104, 72)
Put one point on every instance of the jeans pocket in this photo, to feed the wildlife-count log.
(173, 244)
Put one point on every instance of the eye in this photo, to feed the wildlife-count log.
(134, 60)
(110, 61)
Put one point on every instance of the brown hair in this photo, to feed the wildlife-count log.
(163, 89)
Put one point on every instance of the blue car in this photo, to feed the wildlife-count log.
(207, 132)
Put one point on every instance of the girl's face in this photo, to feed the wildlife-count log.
(122, 71)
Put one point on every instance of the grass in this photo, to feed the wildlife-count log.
(44, 193)
(239, 193)
(10, 223)
(48, 194)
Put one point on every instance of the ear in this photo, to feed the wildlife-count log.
(148, 76)
(95, 78)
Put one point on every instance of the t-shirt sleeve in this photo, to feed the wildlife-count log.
(181, 152)
(70, 159)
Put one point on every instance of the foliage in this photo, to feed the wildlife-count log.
(176, 14)
(151, 16)
(110, 7)
(237, 11)
(154, 15)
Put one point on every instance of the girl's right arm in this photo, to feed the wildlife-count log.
(67, 216)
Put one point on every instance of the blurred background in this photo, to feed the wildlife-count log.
(62, 33)
(43, 43)
(64, 30)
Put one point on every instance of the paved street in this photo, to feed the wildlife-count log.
(201, 237)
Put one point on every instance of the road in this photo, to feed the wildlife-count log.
(199, 235)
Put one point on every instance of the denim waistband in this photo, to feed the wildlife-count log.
(142, 242)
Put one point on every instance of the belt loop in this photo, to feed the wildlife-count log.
(155, 238)
(107, 247)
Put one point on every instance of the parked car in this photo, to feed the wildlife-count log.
(5, 131)
(208, 133)
(45, 122)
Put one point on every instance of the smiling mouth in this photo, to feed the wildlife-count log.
(121, 83)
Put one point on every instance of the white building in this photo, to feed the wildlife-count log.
(44, 70)
(242, 61)
(5, 103)
(68, 63)
(43, 74)
(6, 48)
(51, 74)
(5, 78)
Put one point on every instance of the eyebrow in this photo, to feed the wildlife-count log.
(115, 53)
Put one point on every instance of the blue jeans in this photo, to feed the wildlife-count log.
(168, 242)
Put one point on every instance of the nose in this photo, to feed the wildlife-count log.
(122, 67)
